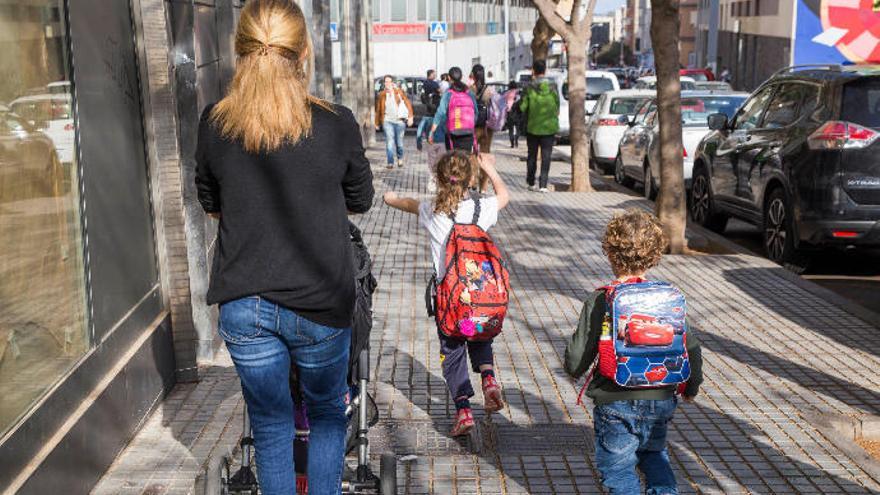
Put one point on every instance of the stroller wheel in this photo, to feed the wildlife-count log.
(388, 474)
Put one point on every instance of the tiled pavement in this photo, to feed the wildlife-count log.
(774, 353)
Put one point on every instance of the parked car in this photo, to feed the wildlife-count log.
(713, 86)
(698, 74)
(650, 82)
(413, 86)
(29, 165)
(800, 159)
(605, 126)
(640, 145)
(52, 114)
(598, 82)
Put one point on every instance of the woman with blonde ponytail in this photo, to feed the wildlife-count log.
(281, 169)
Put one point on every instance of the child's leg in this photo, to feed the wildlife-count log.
(617, 442)
(482, 362)
(653, 457)
(455, 370)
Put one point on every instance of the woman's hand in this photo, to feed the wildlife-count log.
(389, 197)
(409, 122)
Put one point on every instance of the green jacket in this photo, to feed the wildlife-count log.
(584, 346)
(541, 106)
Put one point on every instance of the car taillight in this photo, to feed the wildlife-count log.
(684, 152)
(837, 135)
(844, 234)
(610, 122)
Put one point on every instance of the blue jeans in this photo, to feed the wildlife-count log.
(632, 434)
(263, 339)
(424, 129)
(394, 139)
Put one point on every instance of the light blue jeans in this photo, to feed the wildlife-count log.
(632, 434)
(394, 132)
(263, 339)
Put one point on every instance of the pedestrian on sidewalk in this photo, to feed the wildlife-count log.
(630, 423)
(394, 113)
(444, 83)
(275, 179)
(457, 112)
(540, 105)
(514, 115)
(456, 173)
(483, 94)
(431, 99)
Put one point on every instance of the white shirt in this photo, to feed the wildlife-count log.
(439, 225)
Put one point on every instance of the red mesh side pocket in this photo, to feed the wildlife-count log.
(607, 358)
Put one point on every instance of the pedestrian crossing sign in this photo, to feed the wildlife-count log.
(438, 31)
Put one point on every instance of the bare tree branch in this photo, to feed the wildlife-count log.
(576, 20)
(548, 11)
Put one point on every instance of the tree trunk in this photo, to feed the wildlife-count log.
(670, 207)
(577, 118)
(323, 49)
(541, 36)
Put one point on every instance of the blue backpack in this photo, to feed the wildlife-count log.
(644, 336)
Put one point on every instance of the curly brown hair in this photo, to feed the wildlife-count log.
(634, 242)
(455, 172)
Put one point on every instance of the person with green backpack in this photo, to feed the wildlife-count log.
(540, 104)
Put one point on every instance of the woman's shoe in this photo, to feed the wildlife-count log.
(400, 162)
(493, 402)
(464, 422)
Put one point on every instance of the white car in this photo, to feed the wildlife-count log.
(639, 156)
(598, 83)
(52, 114)
(650, 82)
(607, 124)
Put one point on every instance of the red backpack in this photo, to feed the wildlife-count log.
(472, 297)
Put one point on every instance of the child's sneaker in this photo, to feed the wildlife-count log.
(533, 188)
(492, 395)
(464, 421)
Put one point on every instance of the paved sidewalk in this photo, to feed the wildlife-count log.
(775, 353)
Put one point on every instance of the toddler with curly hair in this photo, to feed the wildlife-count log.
(630, 423)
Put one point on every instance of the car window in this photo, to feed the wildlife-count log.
(750, 115)
(598, 85)
(11, 123)
(645, 112)
(625, 106)
(784, 108)
(688, 86)
(861, 102)
(695, 111)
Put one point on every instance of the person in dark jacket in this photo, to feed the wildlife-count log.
(630, 424)
(282, 169)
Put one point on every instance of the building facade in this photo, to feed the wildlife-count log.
(687, 55)
(750, 38)
(400, 43)
(104, 249)
(638, 31)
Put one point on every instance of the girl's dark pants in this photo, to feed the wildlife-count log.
(454, 363)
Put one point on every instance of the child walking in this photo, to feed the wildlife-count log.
(456, 174)
(630, 420)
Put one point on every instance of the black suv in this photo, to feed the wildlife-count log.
(800, 159)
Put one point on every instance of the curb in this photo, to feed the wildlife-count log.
(861, 312)
(843, 431)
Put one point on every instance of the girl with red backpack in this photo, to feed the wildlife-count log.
(458, 113)
(455, 209)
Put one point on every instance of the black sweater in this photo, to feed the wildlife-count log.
(283, 231)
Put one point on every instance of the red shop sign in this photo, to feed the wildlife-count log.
(400, 29)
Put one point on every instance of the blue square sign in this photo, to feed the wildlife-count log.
(334, 31)
(438, 31)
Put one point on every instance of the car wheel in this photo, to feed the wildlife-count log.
(650, 185)
(619, 176)
(779, 233)
(594, 165)
(703, 210)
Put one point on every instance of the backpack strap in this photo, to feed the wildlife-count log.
(475, 197)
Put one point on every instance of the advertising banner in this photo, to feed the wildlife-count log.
(837, 32)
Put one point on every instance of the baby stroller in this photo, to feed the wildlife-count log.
(361, 410)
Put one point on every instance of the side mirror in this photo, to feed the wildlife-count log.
(717, 121)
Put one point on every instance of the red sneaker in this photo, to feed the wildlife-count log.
(464, 421)
(492, 395)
